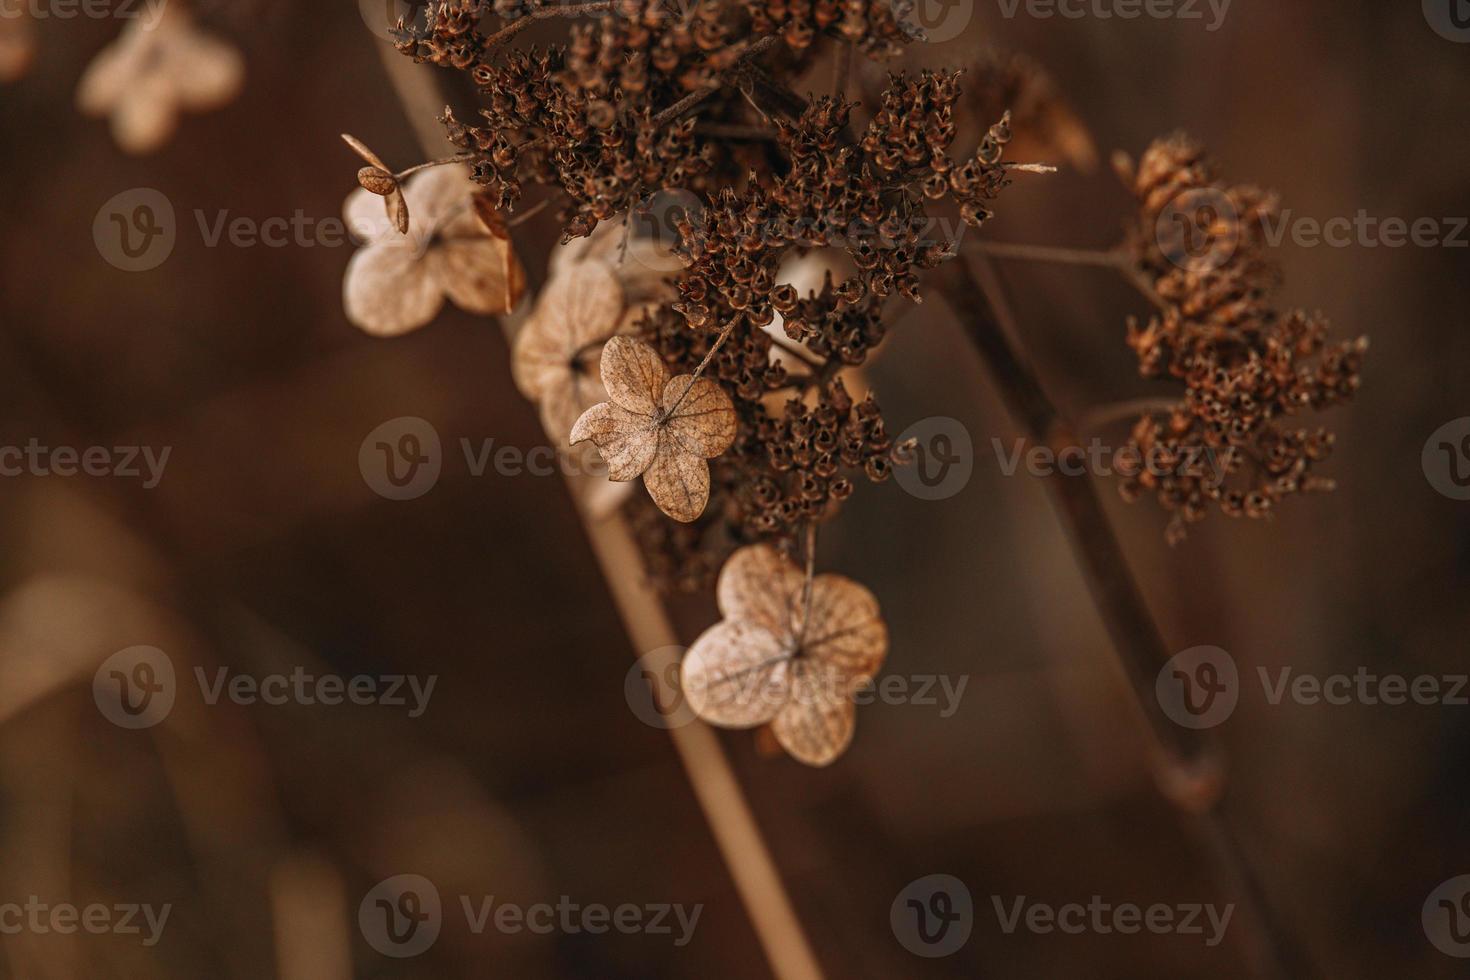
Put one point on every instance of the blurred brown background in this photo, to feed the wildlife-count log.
(529, 777)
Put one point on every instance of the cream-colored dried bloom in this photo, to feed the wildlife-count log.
(397, 283)
(775, 659)
(661, 427)
(158, 67)
(555, 359)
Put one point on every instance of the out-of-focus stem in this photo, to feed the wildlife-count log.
(1189, 765)
(718, 792)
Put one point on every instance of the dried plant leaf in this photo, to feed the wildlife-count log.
(662, 427)
(768, 647)
(385, 290)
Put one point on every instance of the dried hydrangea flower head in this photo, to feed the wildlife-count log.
(1247, 367)
(790, 651)
(398, 282)
(658, 426)
(160, 66)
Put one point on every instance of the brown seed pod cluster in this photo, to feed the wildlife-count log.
(880, 28)
(629, 109)
(1247, 367)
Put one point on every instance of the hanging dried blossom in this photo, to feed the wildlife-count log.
(377, 179)
(397, 282)
(790, 651)
(658, 426)
(160, 66)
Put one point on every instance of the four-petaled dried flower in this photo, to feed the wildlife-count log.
(397, 283)
(658, 426)
(786, 653)
(159, 66)
(554, 361)
(378, 179)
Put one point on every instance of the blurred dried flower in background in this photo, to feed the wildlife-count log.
(397, 282)
(17, 45)
(791, 650)
(159, 67)
(658, 426)
(1247, 367)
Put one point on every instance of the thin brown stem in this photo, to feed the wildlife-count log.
(442, 162)
(1112, 259)
(545, 13)
(1190, 767)
(842, 70)
(1095, 419)
(682, 108)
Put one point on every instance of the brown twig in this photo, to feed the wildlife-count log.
(1190, 767)
(545, 13)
